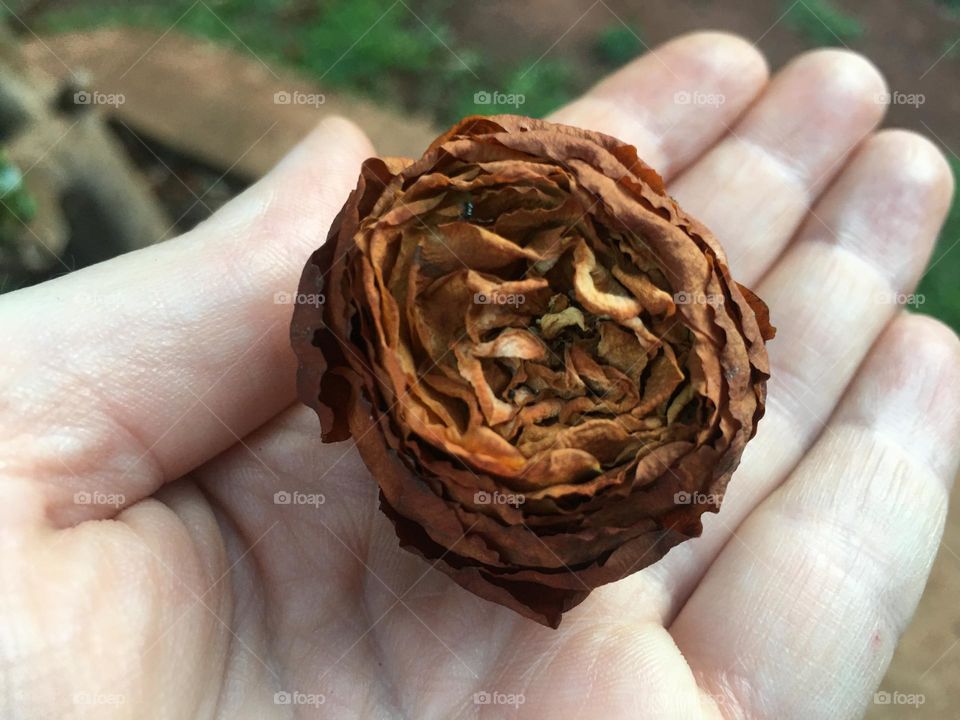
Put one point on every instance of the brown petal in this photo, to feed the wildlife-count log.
(544, 361)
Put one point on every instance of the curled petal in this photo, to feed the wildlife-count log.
(544, 361)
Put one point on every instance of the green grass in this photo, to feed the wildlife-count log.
(617, 45)
(951, 48)
(535, 89)
(821, 23)
(940, 286)
(364, 46)
(367, 46)
(17, 205)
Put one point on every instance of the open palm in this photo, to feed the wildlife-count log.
(175, 541)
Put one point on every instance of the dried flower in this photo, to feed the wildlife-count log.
(543, 361)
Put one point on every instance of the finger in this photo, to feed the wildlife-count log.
(831, 294)
(800, 615)
(676, 100)
(136, 370)
(754, 188)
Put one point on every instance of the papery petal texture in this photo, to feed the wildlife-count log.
(543, 361)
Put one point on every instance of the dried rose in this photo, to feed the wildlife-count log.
(542, 360)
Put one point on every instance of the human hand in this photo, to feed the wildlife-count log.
(148, 570)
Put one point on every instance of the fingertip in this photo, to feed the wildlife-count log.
(300, 196)
(925, 341)
(837, 91)
(909, 389)
(705, 61)
(889, 204)
(716, 49)
(347, 132)
(675, 100)
(845, 73)
(335, 138)
(922, 163)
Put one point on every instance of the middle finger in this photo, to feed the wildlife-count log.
(754, 188)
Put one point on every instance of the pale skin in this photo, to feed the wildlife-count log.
(183, 591)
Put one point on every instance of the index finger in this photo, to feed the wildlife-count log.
(675, 101)
(132, 372)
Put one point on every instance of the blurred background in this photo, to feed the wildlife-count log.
(123, 123)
